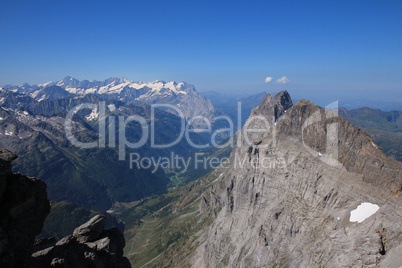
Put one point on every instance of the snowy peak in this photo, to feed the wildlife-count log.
(68, 81)
(157, 86)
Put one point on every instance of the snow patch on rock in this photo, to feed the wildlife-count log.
(363, 211)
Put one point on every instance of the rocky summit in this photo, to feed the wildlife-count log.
(311, 191)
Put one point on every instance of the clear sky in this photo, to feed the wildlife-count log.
(340, 48)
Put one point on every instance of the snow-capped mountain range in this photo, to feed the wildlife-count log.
(182, 95)
(116, 85)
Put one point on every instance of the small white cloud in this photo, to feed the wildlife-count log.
(283, 80)
(268, 79)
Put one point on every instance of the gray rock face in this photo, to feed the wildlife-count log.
(89, 246)
(23, 208)
(274, 108)
(90, 230)
(288, 193)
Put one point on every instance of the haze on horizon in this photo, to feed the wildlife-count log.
(342, 49)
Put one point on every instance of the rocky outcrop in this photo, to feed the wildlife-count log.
(23, 209)
(89, 246)
(273, 108)
(288, 193)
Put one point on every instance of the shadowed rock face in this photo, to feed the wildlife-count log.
(287, 196)
(23, 209)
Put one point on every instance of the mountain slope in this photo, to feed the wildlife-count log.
(283, 200)
(384, 127)
(298, 213)
(92, 178)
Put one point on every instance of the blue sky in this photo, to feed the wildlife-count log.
(325, 48)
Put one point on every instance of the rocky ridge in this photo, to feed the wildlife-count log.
(287, 195)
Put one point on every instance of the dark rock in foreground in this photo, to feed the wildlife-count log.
(23, 208)
(89, 246)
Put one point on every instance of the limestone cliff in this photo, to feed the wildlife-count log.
(288, 193)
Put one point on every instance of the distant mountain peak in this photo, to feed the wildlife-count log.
(274, 107)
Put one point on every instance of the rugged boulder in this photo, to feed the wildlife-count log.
(91, 230)
(89, 246)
